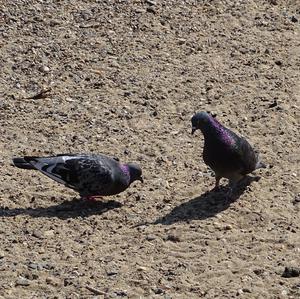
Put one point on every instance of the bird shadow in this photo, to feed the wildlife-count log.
(206, 205)
(67, 209)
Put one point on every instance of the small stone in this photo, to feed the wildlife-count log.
(258, 271)
(22, 282)
(49, 233)
(272, 105)
(68, 281)
(111, 273)
(141, 268)
(41, 250)
(151, 9)
(35, 266)
(53, 281)
(150, 238)
(228, 227)
(284, 292)
(291, 272)
(44, 69)
(150, 2)
(38, 234)
(296, 200)
(173, 238)
(294, 19)
(121, 293)
(158, 291)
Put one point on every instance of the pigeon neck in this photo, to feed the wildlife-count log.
(216, 128)
(125, 170)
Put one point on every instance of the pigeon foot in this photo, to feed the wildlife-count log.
(91, 198)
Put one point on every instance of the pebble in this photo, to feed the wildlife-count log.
(150, 238)
(111, 273)
(35, 266)
(141, 268)
(258, 271)
(296, 200)
(53, 281)
(122, 293)
(228, 227)
(49, 233)
(284, 292)
(294, 19)
(38, 234)
(173, 238)
(158, 291)
(22, 282)
(151, 2)
(44, 69)
(151, 9)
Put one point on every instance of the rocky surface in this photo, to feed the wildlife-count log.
(123, 78)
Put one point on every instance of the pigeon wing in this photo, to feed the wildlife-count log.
(247, 155)
(94, 174)
(56, 168)
(79, 172)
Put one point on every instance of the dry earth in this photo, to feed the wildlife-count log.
(125, 78)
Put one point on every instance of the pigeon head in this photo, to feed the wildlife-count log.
(135, 172)
(201, 120)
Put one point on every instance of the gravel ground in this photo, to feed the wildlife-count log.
(123, 78)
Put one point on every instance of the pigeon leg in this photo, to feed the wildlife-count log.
(233, 183)
(217, 184)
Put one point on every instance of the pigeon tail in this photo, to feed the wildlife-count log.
(22, 163)
(260, 164)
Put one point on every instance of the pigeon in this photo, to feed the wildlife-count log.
(89, 174)
(227, 154)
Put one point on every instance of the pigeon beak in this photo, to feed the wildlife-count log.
(141, 179)
(193, 130)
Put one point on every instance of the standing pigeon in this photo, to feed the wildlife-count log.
(227, 154)
(91, 175)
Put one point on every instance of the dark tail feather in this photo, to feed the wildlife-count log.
(22, 163)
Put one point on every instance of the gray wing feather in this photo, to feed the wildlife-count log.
(247, 155)
(84, 173)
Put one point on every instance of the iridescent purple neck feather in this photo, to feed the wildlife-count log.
(221, 131)
(126, 171)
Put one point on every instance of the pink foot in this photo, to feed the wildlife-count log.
(92, 198)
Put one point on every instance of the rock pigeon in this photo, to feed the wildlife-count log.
(227, 154)
(89, 174)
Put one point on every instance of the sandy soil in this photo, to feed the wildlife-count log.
(125, 78)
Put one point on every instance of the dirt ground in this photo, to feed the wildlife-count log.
(125, 79)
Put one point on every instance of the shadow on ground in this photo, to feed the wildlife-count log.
(206, 205)
(68, 209)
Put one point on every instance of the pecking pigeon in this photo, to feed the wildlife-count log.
(91, 175)
(227, 154)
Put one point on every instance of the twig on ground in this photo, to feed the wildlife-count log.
(42, 94)
(95, 291)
